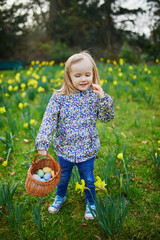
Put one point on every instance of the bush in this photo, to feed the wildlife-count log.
(55, 50)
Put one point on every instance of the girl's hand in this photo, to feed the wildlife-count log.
(97, 89)
(42, 152)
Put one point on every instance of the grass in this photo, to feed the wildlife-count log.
(136, 122)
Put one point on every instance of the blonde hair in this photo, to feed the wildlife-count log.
(67, 87)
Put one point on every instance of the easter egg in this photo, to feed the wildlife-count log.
(47, 169)
(47, 176)
(40, 173)
(52, 173)
(36, 177)
(42, 180)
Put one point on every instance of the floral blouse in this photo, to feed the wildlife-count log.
(73, 119)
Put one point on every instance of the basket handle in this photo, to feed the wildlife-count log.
(34, 161)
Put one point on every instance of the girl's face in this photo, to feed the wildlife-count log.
(82, 74)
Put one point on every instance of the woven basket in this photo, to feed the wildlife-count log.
(37, 188)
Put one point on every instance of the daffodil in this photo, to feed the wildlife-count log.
(156, 155)
(25, 125)
(110, 69)
(81, 187)
(44, 79)
(158, 142)
(114, 63)
(120, 156)
(120, 74)
(25, 104)
(108, 61)
(40, 89)
(115, 83)
(32, 121)
(157, 60)
(102, 59)
(2, 110)
(121, 61)
(20, 105)
(23, 85)
(10, 88)
(5, 163)
(99, 184)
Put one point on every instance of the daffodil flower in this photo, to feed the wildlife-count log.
(120, 156)
(5, 163)
(100, 185)
(81, 187)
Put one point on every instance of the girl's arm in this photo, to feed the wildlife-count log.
(106, 110)
(49, 123)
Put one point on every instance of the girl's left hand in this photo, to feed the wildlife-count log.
(97, 89)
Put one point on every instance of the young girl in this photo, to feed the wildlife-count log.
(72, 113)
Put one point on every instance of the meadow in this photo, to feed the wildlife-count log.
(127, 167)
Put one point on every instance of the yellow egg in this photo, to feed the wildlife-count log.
(47, 169)
(52, 173)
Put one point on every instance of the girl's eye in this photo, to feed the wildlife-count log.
(87, 75)
(77, 76)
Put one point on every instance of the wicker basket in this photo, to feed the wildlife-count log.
(37, 188)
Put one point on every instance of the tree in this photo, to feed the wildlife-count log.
(12, 26)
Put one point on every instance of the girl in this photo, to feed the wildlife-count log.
(72, 113)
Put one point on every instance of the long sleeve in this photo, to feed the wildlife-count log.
(49, 123)
(106, 109)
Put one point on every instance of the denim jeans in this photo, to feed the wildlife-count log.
(85, 171)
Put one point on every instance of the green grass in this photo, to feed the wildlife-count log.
(136, 122)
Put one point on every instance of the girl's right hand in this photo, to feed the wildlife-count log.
(42, 152)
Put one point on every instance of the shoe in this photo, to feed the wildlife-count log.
(88, 213)
(57, 204)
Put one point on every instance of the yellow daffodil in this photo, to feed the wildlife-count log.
(158, 142)
(134, 76)
(156, 155)
(5, 163)
(120, 74)
(15, 88)
(99, 184)
(40, 89)
(23, 85)
(121, 61)
(6, 95)
(81, 186)
(32, 121)
(17, 77)
(51, 80)
(2, 110)
(114, 63)
(0, 81)
(20, 105)
(159, 149)
(101, 59)
(108, 61)
(25, 125)
(110, 69)
(44, 79)
(23, 94)
(10, 88)
(120, 156)
(25, 104)
(32, 82)
(130, 67)
(115, 83)
(157, 60)
(102, 81)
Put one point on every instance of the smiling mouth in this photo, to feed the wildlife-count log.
(83, 84)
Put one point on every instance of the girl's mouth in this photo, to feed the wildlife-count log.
(83, 84)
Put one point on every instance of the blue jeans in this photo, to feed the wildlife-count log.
(85, 171)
